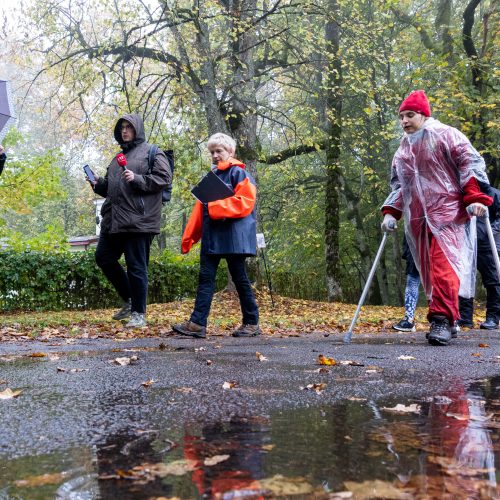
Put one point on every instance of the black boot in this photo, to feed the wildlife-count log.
(440, 333)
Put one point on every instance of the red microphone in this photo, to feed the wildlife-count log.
(121, 160)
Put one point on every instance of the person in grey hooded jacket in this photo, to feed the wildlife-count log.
(130, 216)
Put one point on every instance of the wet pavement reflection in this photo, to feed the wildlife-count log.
(444, 447)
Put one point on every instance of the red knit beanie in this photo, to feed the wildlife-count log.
(417, 101)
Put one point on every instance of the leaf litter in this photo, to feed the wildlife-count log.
(287, 317)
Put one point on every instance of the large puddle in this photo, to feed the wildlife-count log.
(444, 447)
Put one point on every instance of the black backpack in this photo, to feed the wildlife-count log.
(166, 194)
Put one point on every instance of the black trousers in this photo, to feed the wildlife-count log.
(206, 288)
(486, 266)
(132, 283)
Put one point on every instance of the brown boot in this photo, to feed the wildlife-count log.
(247, 331)
(190, 329)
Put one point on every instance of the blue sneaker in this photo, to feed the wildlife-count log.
(405, 326)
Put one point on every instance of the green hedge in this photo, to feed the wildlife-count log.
(46, 281)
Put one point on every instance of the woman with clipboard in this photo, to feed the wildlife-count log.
(227, 229)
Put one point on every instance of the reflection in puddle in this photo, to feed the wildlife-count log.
(447, 449)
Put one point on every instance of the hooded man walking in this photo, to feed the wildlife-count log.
(434, 181)
(130, 216)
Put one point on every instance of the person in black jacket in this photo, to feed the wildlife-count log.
(3, 157)
(486, 266)
(130, 216)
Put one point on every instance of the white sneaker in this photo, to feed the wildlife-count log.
(137, 320)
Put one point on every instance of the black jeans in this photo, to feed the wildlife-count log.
(206, 288)
(132, 284)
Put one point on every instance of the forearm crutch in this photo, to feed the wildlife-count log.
(348, 335)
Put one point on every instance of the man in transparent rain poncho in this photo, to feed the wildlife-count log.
(434, 182)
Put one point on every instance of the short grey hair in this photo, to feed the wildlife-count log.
(224, 140)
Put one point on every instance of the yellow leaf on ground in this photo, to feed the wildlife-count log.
(323, 360)
(229, 385)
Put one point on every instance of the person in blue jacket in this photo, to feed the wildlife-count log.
(227, 229)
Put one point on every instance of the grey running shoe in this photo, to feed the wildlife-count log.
(124, 312)
(247, 331)
(440, 332)
(137, 320)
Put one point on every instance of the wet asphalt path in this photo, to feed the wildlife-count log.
(63, 409)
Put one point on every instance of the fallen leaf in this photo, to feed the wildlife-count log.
(9, 394)
(476, 354)
(176, 468)
(148, 383)
(197, 349)
(124, 361)
(184, 390)
(216, 459)
(353, 398)
(229, 385)
(72, 370)
(350, 363)
(376, 489)
(37, 355)
(209, 362)
(322, 370)
(267, 447)
(399, 408)
(37, 481)
(406, 357)
(260, 357)
(318, 387)
(484, 345)
(282, 486)
(53, 357)
(323, 360)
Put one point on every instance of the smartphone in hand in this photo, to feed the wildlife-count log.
(89, 174)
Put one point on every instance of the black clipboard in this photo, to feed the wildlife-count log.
(211, 188)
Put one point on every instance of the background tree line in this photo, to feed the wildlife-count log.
(309, 89)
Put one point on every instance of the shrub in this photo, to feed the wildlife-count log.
(32, 280)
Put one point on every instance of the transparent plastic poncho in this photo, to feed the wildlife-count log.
(429, 171)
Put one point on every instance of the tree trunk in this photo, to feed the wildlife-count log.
(334, 178)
